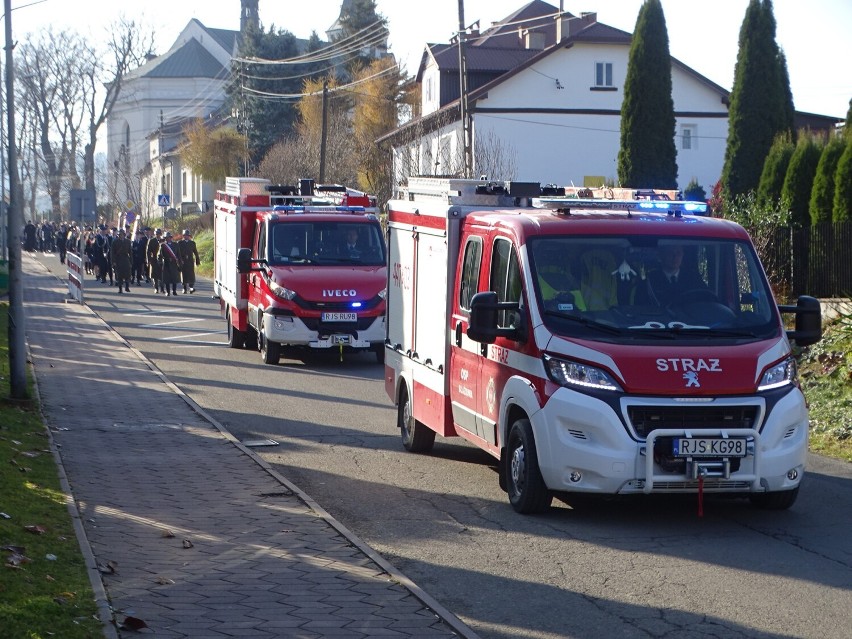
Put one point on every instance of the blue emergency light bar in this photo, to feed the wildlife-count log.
(671, 207)
(318, 209)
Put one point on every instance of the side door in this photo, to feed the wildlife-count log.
(465, 354)
(499, 361)
(255, 278)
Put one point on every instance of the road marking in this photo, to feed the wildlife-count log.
(187, 336)
(180, 321)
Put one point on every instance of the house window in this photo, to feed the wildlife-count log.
(428, 90)
(183, 185)
(603, 74)
(688, 138)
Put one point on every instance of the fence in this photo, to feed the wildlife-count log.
(814, 260)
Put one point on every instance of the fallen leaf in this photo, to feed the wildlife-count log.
(164, 581)
(19, 550)
(5, 516)
(109, 568)
(132, 623)
(168, 534)
(31, 454)
(50, 557)
(187, 543)
(15, 560)
(36, 530)
(49, 578)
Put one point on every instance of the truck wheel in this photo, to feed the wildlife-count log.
(380, 354)
(236, 337)
(527, 492)
(778, 500)
(269, 351)
(417, 437)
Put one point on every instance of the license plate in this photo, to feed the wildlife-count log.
(709, 447)
(340, 317)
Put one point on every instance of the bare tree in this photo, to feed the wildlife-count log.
(103, 76)
(51, 92)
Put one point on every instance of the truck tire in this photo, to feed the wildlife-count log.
(270, 352)
(527, 491)
(380, 354)
(236, 337)
(417, 437)
(778, 500)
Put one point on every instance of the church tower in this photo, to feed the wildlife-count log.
(249, 15)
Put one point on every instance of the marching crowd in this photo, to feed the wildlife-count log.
(109, 254)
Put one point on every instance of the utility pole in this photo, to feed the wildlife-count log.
(324, 130)
(463, 105)
(17, 345)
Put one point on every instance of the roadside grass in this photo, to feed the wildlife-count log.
(204, 244)
(44, 588)
(825, 370)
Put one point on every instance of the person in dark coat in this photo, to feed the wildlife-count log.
(122, 260)
(171, 264)
(189, 257)
(153, 254)
(667, 283)
(103, 244)
(30, 236)
(61, 240)
(140, 250)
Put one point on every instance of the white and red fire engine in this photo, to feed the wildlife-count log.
(299, 267)
(547, 331)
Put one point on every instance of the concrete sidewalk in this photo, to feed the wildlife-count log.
(181, 525)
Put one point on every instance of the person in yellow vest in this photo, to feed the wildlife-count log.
(559, 289)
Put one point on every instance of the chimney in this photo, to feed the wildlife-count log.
(534, 40)
(586, 19)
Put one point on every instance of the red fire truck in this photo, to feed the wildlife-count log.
(609, 347)
(299, 267)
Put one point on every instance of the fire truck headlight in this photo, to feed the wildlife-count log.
(280, 291)
(781, 374)
(567, 373)
(383, 293)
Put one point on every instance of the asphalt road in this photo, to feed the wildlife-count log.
(591, 568)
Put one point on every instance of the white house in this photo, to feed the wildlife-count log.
(186, 82)
(544, 96)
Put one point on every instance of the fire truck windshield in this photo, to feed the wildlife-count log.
(297, 242)
(651, 287)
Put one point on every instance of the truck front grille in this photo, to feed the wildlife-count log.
(645, 419)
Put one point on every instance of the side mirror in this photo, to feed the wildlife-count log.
(484, 313)
(244, 260)
(808, 320)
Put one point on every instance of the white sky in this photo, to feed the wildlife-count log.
(816, 35)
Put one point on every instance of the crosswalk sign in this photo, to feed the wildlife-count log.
(163, 199)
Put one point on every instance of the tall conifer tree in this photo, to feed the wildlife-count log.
(761, 101)
(647, 157)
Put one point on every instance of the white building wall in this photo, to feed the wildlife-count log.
(580, 136)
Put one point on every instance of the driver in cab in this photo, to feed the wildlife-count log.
(668, 282)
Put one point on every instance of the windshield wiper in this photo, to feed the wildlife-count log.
(606, 328)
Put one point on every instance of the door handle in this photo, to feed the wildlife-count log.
(458, 333)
